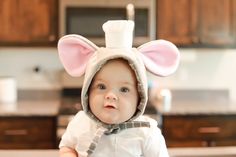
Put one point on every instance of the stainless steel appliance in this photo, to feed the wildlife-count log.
(70, 105)
(70, 100)
(85, 17)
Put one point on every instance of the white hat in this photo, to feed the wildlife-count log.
(118, 33)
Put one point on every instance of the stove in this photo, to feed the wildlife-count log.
(70, 105)
(70, 101)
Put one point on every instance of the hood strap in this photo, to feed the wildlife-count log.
(114, 129)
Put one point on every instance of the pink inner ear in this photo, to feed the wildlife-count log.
(160, 54)
(74, 52)
(160, 57)
(75, 62)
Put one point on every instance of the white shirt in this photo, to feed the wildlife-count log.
(132, 142)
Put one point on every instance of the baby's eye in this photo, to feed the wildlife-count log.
(124, 89)
(101, 86)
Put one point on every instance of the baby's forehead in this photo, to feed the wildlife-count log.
(117, 65)
(116, 68)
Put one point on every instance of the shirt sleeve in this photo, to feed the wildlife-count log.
(71, 135)
(155, 145)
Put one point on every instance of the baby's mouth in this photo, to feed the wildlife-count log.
(109, 106)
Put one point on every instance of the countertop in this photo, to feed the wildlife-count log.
(29, 153)
(198, 108)
(30, 108)
(173, 152)
(203, 152)
(51, 108)
(193, 102)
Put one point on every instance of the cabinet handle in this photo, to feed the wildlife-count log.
(16, 132)
(204, 143)
(212, 143)
(195, 39)
(51, 38)
(209, 130)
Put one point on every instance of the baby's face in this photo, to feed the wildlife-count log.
(113, 95)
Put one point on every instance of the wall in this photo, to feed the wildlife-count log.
(204, 69)
(20, 63)
(199, 69)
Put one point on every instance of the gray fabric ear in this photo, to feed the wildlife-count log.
(160, 57)
(74, 53)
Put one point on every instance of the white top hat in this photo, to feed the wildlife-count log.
(118, 33)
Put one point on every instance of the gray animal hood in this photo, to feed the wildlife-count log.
(80, 56)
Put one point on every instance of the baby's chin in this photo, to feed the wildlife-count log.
(112, 118)
(110, 121)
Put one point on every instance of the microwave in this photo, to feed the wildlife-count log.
(85, 17)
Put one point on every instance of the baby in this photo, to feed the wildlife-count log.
(114, 94)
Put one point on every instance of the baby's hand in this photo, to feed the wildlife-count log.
(68, 152)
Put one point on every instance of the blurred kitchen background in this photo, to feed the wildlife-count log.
(202, 93)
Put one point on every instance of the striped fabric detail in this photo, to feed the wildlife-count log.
(95, 140)
(114, 129)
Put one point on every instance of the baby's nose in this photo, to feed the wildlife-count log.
(111, 96)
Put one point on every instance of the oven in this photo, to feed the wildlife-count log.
(70, 104)
(85, 17)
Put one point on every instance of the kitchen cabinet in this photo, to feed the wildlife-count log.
(197, 22)
(199, 130)
(30, 132)
(28, 22)
(176, 21)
